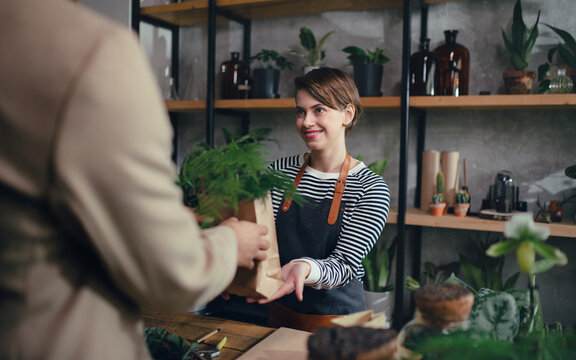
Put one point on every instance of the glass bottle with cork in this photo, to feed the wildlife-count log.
(235, 79)
(453, 66)
(423, 71)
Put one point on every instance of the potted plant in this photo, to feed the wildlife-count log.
(314, 51)
(368, 69)
(378, 266)
(567, 54)
(462, 203)
(266, 77)
(438, 205)
(519, 44)
(215, 181)
(376, 281)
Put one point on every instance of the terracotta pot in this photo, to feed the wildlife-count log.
(519, 82)
(437, 209)
(461, 210)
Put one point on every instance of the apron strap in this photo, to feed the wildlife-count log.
(338, 190)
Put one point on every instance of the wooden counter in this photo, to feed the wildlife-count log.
(240, 336)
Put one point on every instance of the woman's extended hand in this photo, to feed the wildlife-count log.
(294, 274)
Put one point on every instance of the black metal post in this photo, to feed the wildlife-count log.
(210, 75)
(135, 16)
(403, 175)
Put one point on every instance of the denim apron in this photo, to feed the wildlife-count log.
(307, 233)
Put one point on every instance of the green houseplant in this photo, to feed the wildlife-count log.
(314, 51)
(368, 68)
(519, 45)
(378, 266)
(507, 323)
(567, 54)
(215, 180)
(266, 76)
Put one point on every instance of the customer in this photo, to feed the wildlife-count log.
(322, 244)
(92, 227)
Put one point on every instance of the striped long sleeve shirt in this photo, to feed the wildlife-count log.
(366, 202)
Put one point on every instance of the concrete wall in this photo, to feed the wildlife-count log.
(536, 146)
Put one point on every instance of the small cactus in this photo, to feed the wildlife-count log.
(439, 196)
(461, 197)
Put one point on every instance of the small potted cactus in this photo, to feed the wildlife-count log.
(438, 205)
(462, 203)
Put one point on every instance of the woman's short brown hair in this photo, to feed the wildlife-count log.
(333, 88)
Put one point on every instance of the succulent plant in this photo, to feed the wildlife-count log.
(521, 40)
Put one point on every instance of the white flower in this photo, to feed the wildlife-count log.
(522, 225)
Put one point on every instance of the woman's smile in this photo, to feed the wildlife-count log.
(311, 134)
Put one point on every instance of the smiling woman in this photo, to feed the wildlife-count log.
(323, 241)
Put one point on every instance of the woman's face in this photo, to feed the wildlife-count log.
(321, 127)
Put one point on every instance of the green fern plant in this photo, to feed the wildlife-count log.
(215, 180)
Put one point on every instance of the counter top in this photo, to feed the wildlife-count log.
(240, 336)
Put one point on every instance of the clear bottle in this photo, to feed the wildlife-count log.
(560, 83)
(453, 66)
(440, 310)
(423, 71)
(234, 78)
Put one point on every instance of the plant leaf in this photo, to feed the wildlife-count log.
(541, 266)
(307, 39)
(550, 252)
(501, 248)
(496, 312)
(568, 39)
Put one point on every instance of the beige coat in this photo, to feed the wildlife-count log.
(91, 222)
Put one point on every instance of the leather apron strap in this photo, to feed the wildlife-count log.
(338, 189)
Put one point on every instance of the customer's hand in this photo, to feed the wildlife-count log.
(251, 245)
(294, 274)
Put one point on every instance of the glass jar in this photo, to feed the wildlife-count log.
(440, 310)
(234, 78)
(423, 71)
(453, 66)
(560, 83)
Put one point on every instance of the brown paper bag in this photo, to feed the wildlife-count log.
(366, 318)
(266, 276)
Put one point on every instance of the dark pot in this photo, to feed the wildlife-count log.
(265, 83)
(368, 79)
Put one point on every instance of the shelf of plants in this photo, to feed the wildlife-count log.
(196, 12)
(419, 217)
(471, 102)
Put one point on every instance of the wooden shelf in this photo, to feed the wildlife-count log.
(419, 217)
(472, 102)
(494, 102)
(196, 12)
